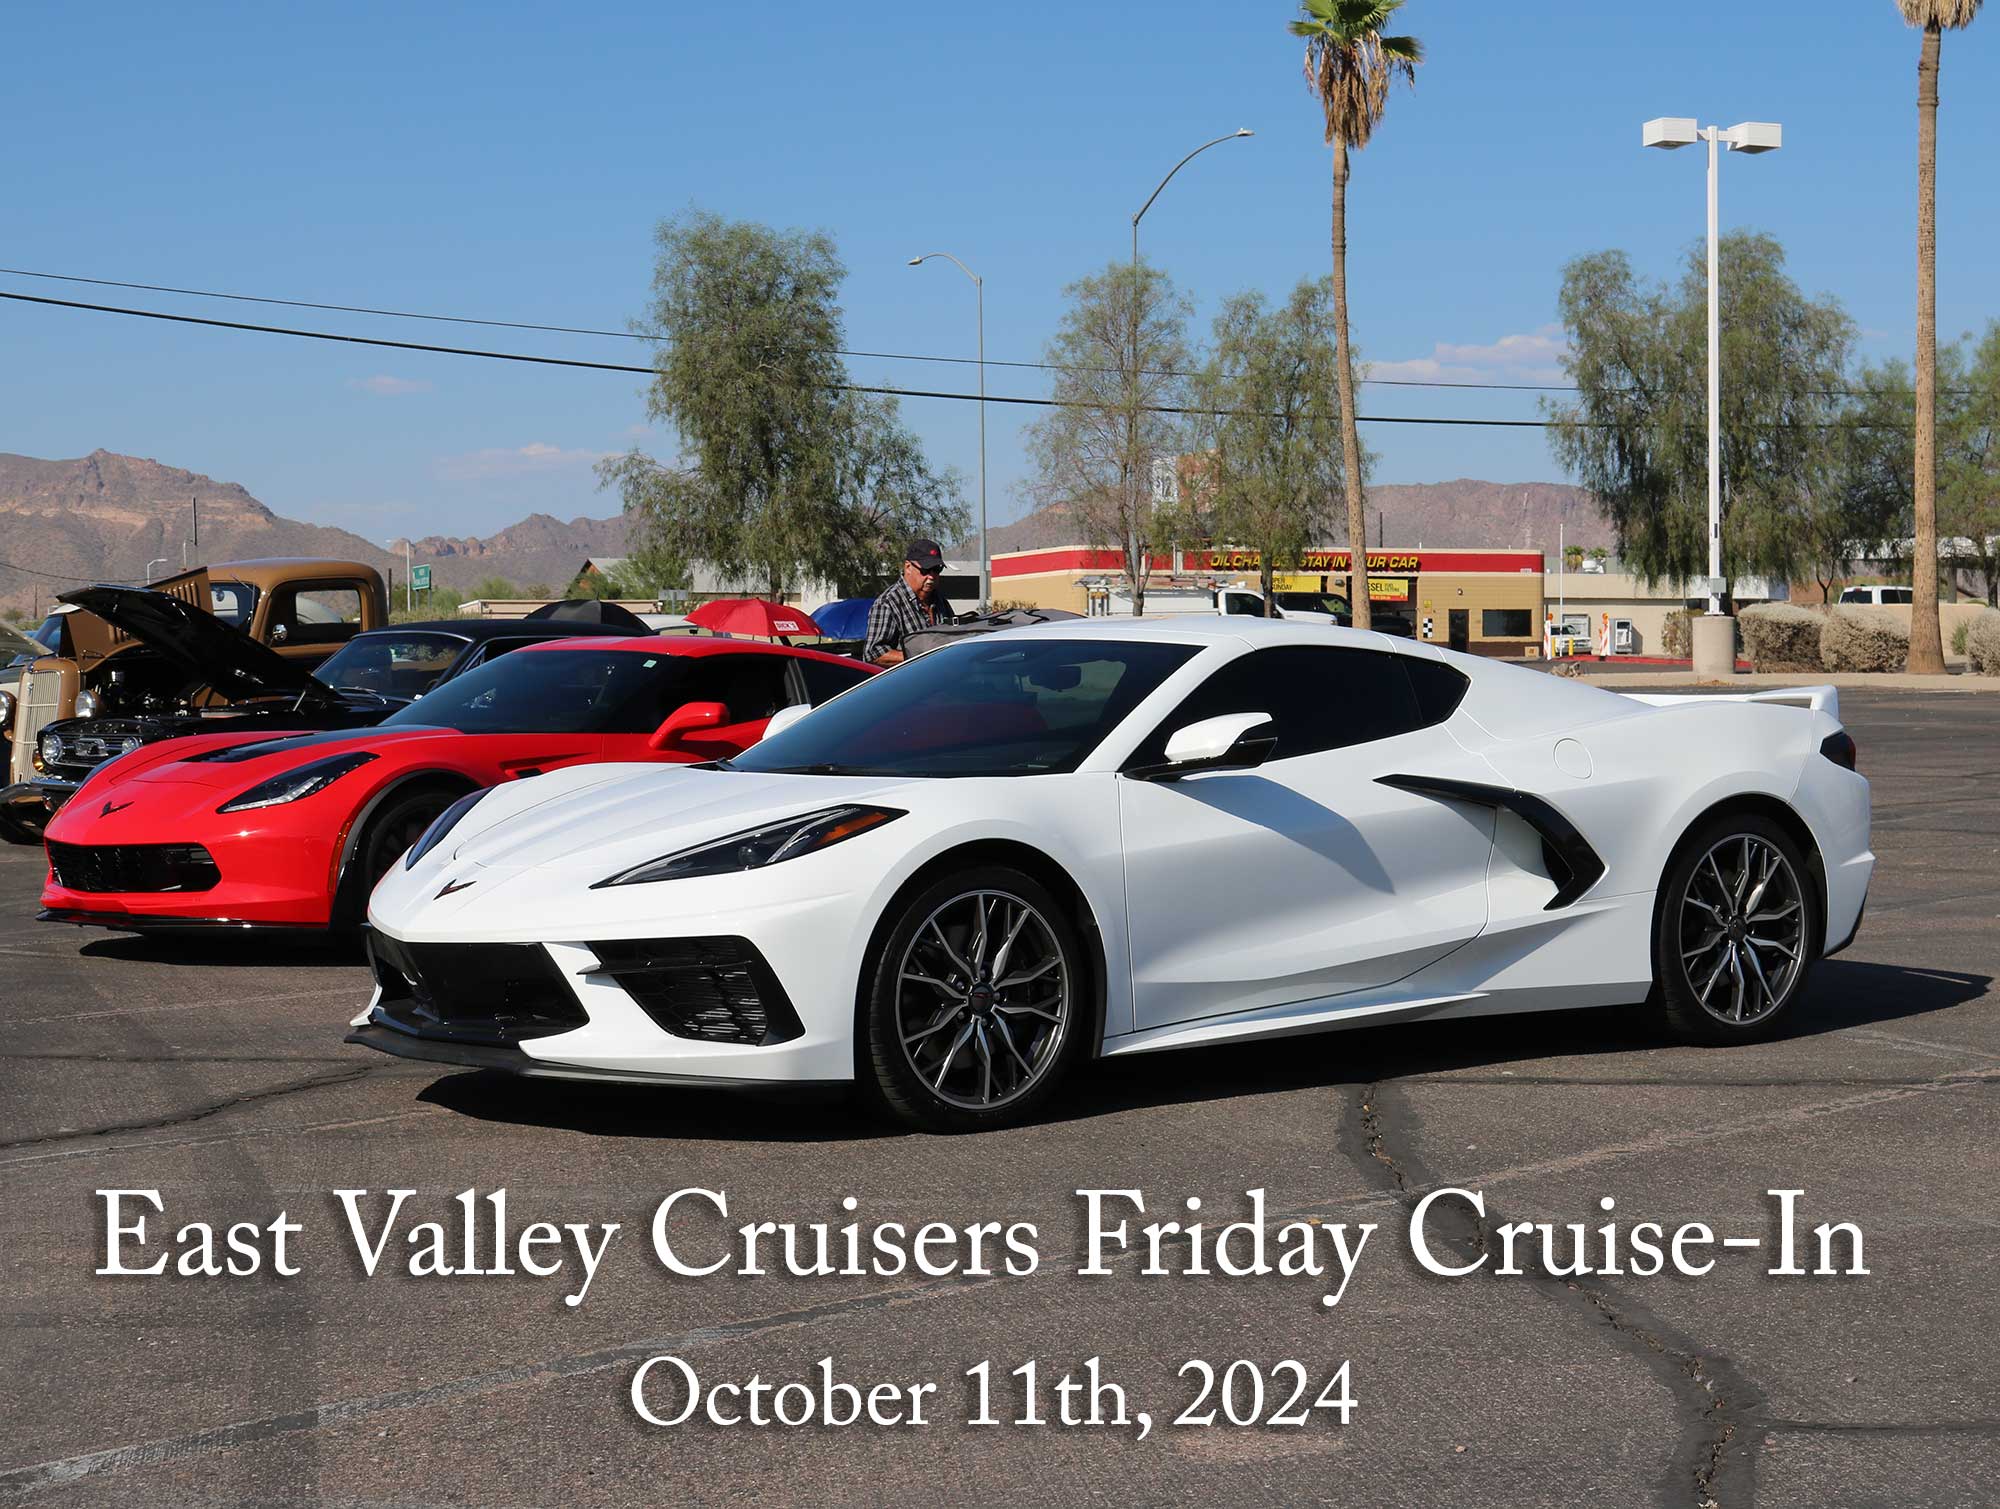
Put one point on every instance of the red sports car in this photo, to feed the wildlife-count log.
(293, 830)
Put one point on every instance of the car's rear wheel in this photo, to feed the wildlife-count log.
(1736, 930)
(977, 1004)
(389, 832)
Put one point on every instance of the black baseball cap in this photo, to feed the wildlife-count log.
(925, 555)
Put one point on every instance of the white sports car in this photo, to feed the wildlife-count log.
(1103, 837)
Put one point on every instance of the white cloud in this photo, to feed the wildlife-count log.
(536, 459)
(388, 387)
(1531, 357)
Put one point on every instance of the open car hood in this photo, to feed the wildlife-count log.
(201, 645)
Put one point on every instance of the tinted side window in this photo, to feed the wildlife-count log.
(1438, 687)
(825, 680)
(1320, 698)
(750, 686)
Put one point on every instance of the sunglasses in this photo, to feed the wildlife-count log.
(926, 570)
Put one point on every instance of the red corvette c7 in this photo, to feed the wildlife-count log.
(293, 830)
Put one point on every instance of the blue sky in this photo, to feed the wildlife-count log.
(510, 161)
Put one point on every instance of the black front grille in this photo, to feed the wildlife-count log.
(717, 989)
(133, 867)
(473, 992)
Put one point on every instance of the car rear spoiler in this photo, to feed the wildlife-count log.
(1819, 699)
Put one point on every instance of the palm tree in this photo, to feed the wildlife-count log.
(1926, 641)
(1349, 67)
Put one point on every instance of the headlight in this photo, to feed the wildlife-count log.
(53, 749)
(89, 704)
(294, 784)
(441, 825)
(758, 847)
(6, 709)
(130, 743)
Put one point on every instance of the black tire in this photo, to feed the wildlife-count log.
(1004, 1043)
(1737, 932)
(389, 831)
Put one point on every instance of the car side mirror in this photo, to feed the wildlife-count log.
(1234, 741)
(279, 633)
(785, 717)
(684, 720)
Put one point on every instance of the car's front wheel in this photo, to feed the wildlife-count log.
(1735, 933)
(977, 1002)
(390, 831)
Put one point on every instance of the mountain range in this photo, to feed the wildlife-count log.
(107, 517)
(1464, 513)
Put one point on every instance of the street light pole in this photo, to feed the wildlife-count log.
(979, 291)
(1670, 132)
(1132, 419)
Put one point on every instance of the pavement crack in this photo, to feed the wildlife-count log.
(1709, 1460)
(200, 1112)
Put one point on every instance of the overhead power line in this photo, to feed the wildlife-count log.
(54, 576)
(658, 339)
(566, 361)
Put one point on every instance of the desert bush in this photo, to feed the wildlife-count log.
(1982, 643)
(1781, 636)
(1958, 636)
(1674, 636)
(1859, 640)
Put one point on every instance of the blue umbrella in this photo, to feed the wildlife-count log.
(846, 619)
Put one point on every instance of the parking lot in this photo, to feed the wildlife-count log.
(212, 1070)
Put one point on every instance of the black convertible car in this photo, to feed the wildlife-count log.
(231, 681)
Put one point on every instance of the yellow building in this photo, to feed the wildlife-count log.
(1487, 602)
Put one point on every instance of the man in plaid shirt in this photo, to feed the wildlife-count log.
(910, 605)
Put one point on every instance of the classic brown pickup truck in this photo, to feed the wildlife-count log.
(303, 609)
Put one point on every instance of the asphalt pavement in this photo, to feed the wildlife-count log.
(212, 1070)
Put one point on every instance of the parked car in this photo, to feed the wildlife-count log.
(303, 609)
(1876, 596)
(1108, 837)
(241, 686)
(1308, 607)
(293, 829)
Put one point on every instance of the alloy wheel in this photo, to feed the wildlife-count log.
(983, 1000)
(1742, 929)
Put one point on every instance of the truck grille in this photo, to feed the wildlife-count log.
(86, 748)
(473, 992)
(41, 704)
(719, 990)
(113, 868)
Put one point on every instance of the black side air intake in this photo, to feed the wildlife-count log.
(1573, 865)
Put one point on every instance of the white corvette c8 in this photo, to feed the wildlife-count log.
(1093, 837)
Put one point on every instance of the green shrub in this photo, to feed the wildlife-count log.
(1958, 636)
(1982, 643)
(1860, 639)
(1781, 636)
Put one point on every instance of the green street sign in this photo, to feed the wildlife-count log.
(420, 578)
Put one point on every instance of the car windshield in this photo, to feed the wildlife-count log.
(45, 634)
(996, 705)
(553, 691)
(391, 663)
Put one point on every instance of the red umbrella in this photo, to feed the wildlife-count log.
(752, 615)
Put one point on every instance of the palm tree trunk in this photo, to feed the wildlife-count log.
(1350, 433)
(1926, 639)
